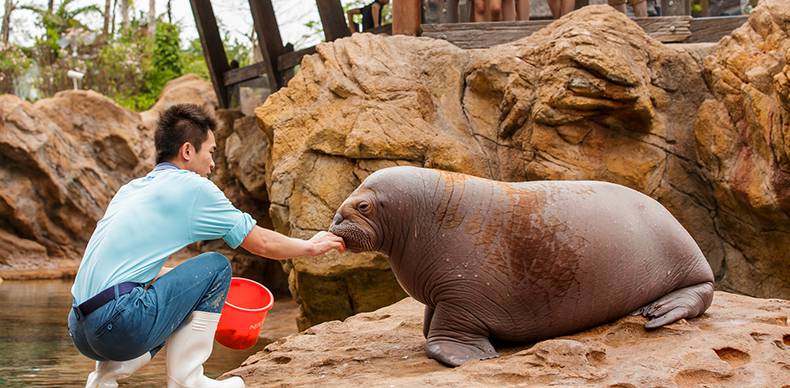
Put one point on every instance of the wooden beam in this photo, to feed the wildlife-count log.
(289, 60)
(332, 19)
(213, 49)
(675, 7)
(465, 10)
(269, 40)
(246, 73)
(383, 29)
(406, 17)
(669, 29)
(714, 28)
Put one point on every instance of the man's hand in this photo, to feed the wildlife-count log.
(323, 242)
(268, 243)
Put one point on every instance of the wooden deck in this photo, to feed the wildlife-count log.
(667, 29)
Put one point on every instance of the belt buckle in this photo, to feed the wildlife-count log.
(77, 312)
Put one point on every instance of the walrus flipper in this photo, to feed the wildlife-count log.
(452, 353)
(426, 322)
(453, 338)
(687, 302)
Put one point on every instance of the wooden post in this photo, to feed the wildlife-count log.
(675, 7)
(332, 19)
(464, 11)
(269, 40)
(406, 17)
(213, 49)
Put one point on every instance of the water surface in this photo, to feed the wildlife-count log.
(36, 350)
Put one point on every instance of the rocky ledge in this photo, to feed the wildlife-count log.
(739, 341)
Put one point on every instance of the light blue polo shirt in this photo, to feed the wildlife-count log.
(151, 218)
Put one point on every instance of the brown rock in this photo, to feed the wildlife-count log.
(739, 341)
(63, 159)
(741, 136)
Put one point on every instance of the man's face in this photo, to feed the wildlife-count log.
(203, 162)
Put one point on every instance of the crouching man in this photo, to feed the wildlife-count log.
(127, 306)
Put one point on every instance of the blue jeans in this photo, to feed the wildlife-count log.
(142, 320)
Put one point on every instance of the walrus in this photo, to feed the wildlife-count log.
(526, 261)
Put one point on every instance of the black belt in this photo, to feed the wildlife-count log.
(105, 296)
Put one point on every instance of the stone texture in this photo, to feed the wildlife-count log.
(63, 158)
(739, 341)
(743, 141)
(588, 97)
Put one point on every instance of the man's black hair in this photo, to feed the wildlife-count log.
(179, 124)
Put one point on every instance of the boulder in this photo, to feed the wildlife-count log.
(63, 158)
(739, 341)
(590, 96)
(742, 136)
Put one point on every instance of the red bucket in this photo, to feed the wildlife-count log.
(242, 316)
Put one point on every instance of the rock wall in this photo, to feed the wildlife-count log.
(588, 97)
(743, 141)
(61, 161)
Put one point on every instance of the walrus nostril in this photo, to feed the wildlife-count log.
(337, 220)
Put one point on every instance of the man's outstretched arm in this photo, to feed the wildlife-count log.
(273, 245)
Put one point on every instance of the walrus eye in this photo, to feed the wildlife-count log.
(363, 206)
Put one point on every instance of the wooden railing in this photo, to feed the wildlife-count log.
(667, 29)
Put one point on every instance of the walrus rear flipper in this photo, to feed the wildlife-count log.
(687, 302)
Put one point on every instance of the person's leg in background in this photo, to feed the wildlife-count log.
(522, 9)
(619, 5)
(479, 11)
(509, 10)
(561, 7)
(640, 8)
(494, 10)
(567, 7)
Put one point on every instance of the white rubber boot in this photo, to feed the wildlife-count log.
(108, 373)
(188, 348)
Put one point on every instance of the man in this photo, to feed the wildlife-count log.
(371, 16)
(126, 305)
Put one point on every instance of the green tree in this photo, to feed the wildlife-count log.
(57, 22)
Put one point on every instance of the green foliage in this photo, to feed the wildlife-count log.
(57, 22)
(121, 67)
(130, 66)
(13, 63)
(167, 54)
(192, 60)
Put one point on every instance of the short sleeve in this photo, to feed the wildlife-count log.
(214, 217)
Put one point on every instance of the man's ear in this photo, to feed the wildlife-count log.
(187, 151)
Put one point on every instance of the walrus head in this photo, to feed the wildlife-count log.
(380, 205)
(356, 221)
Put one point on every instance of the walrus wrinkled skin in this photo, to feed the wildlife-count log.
(523, 262)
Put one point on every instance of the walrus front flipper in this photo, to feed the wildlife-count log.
(455, 337)
(687, 302)
(426, 321)
(454, 354)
